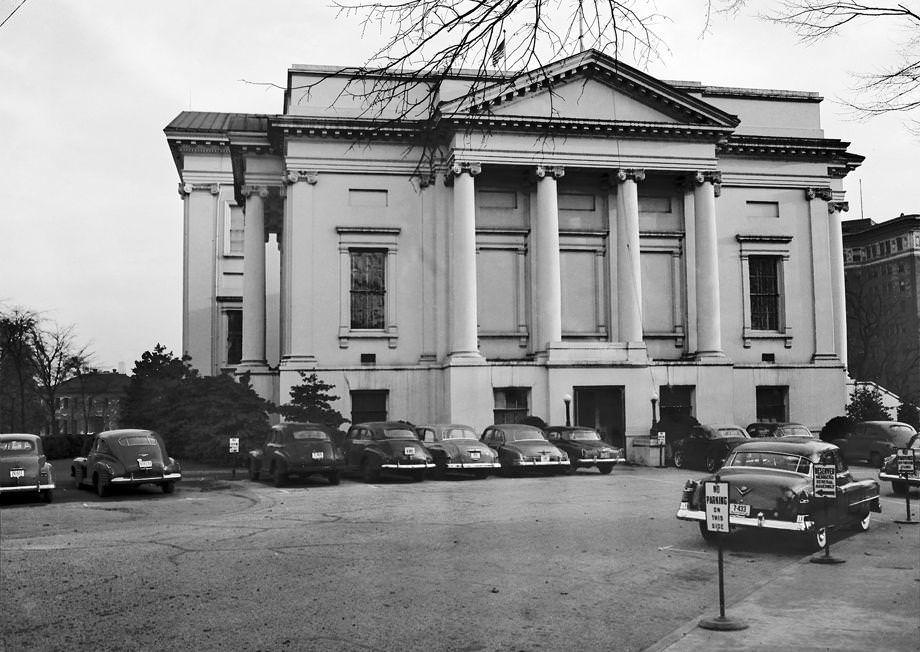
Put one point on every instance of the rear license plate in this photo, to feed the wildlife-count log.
(737, 509)
(17, 473)
(409, 451)
(145, 464)
(544, 459)
(317, 455)
(474, 455)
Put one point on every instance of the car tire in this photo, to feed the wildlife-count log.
(47, 495)
(706, 533)
(899, 488)
(862, 525)
(605, 468)
(712, 463)
(573, 466)
(279, 476)
(168, 487)
(253, 472)
(816, 539)
(102, 487)
(334, 478)
(678, 459)
(369, 473)
(875, 460)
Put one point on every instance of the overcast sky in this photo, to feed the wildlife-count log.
(90, 224)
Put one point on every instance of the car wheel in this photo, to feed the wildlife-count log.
(334, 477)
(679, 459)
(875, 460)
(605, 468)
(102, 487)
(47, 496)
(899, 488)
(817, 539)
(169, 487)
(253, 472)
(369, 472)
(706, 533)
(573, 466)
(280, 476)
(712, 463)
(862, 525)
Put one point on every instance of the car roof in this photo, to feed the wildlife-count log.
(793, 444)
(289, 425)
(888, 423)
(444, 426)
(7, 436)
(111, 434)
(384, 424)
(569, 428)
(721, 426)
(514, 426)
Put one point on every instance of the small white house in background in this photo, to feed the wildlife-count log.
(583, 231)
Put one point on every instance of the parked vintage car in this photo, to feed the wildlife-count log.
(889, 473)
(455, 448)
(584, 447)
(379, 448)
(771, 486)
(770, 429)
(121, 458)
(297, 449)
(23, 466)
(873, 441)
(707, 446)
(521, 447)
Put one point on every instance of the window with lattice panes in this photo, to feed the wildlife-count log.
(368, 288)
(764, 292)
(511, 404)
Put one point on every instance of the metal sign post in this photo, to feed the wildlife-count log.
(825, 489)
(716, 495)
(907, 464)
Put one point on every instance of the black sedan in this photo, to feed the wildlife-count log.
(521, 447)
(297, 449)
(379, 448)
(125, 458)
(23, 466)
(706, 447)
(585, 448)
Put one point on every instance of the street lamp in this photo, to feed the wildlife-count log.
(567, 399)
(654, 411)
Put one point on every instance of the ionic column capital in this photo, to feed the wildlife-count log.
(838, 207)
(186, 189)
(708, 176)
(293, 176)
(473, 169)
(550, 171)
(248, 190)
(824, 194)
(630, 174)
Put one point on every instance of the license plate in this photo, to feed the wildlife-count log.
(474, 455)
(145, 464)
(409, 451)
(317, 455)
(544, 459)
(736, 509)
(17, 473)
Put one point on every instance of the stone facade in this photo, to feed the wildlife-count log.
(582, 230)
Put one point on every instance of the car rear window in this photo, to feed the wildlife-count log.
(525, 435)
(138, 440)
(726, 433)
(16, 445)
(309, 434)
(580, 435)
(399, 433)
(902, 433)
(768, 460)
(800, 431)
(459, 433)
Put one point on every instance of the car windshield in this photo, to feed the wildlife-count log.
(769, 460)
(580, 435)
(459, 433)
(16, 446)
(398, 433)
(728, 433)
(800, 431)
(299, 435)
(915, 442)
(524, 435)
(138, 440)
(760, 431)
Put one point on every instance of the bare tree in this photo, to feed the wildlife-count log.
(56, 358)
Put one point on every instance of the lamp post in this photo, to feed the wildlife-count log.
(567, 399)
(654, 399)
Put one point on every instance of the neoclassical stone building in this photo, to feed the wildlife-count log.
(585, 231)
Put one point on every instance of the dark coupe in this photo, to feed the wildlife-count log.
(123, 458)
(380, 448)
(771, 487)
(889, 473)
(707, 446)
(455, 448)
(585, 448)
(522, 447)
(23, 467)
(297, 449)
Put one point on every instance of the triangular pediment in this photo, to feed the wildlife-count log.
(590, 86)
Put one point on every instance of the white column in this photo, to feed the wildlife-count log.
(548, 274)
(821, 266)
(708, 304)
(463, 309)
(837, 278)
(298, 275)
(254, 277)
(629, 264)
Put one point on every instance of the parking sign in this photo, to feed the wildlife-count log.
(907, 462)
(234, 444)
(717, 507)
(825, 480)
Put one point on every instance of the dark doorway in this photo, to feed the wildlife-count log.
(602, 408)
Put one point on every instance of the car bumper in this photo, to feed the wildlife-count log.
(398, 467)
(461, 466)
(530, 463)
(157, 479)
(599, 460)
(25, 488)
(686, 514)
(914, 481)
(309, 469)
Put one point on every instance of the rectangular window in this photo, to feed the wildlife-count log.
(233, 229)
(511, 404)
(234, 336)
(369, 405)
(772, 403)
(676, 401)
(368, 288)
(764, 293)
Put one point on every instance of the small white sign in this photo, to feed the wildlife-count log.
(662, 438)
(717, 507)
(234, 444)
(825, 480)
(907, 462)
